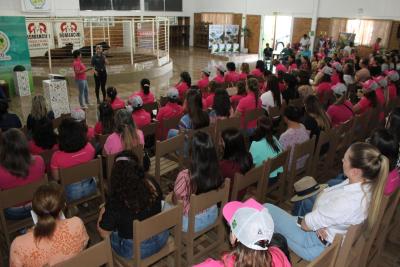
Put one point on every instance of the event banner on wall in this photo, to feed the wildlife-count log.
(14, 49)
(40, 37)
(69, 31)
(215, 37)
(223, 38)
(36, 5)
(231, 37)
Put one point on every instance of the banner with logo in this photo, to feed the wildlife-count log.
(215, 35)
(231, 37)
(69, 31)
(14, 50)
(40, 37)
(36, 5)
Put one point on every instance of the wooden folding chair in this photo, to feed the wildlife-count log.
(191, 239)
(82, 172)
(101, 139)
(328, 257)
(359, 129)
(342, 134)
(149, 107)
(149, 132)
(324, 162)
(241, 182)
(301, 163)
(352, 247)
(97, 255)
(271, 165)
(252, 115)
(169, 157)
(171, 220)
(13, 198)
(374, 120)
(222, 125)
(166, 125)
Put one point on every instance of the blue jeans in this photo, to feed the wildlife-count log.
(124, 247)
(18, 213)
(305, 244)
(337, 180)
(81, 189)
(202, 220)
(302, 207)
(83, 92)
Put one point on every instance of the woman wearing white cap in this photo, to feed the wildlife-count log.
(342, 110)
(252, 228)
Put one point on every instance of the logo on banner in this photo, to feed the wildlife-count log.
(69, 29)
(38, 4)
(4, 46)
(38, 36)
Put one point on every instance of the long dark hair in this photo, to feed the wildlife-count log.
(145, 84)
(204, 168)
(112, 93)
(106, 117)
(315, 110)
(252, 85)
(43, 134)
(235, 149)
(273, 85)
(387, 144)
(195, 111)
(222, 103)
(265, 130)
(260, 65)
(14, 153)
(72, 135)
(393, 124)
(371, 96)
(241, 85)
(185, 77)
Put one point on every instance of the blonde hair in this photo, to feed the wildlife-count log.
(245, 257)
(125, 126)
(375, 169)
(39, 109)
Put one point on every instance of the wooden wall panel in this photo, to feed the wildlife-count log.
(300, 27)
(253, 23)
(394, 41)
(323, 26)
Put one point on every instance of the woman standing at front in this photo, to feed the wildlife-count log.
(99, 62)
(80, 79)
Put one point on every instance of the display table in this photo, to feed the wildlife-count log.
(21, 82)
(56, 94)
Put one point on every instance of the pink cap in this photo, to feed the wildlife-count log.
(381, 81)
(370, 85)
(392, 75)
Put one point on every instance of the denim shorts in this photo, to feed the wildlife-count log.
(18, 213)
(124, 247)
(202, 220)
(80, 189)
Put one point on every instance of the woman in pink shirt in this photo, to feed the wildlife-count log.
(184, 84)
(369, 99)
(105, 125)
(220, 78)
(249, 102)
(203, 82)
(140, 116)
(212, 86)
(292, 63)
(337, 76)
(43, 138)
(342, 110)
(126, 135)
(18, 168)
(231, 76)
(259, 70)
(144, 93)
(80, 79)
(241, 92)
(325, 86)
(115, 101)
(393, 78)
(244, 71)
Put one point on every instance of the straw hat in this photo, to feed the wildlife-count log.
(307, 187)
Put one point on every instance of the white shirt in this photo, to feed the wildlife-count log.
(267, 100)
(348, 79)
(339, 207)
(304, 42)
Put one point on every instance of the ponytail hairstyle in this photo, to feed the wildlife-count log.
(48, 201)
(185, 77)
(245, 256)
(315, 110)
(125, 126)
(265, 130)
(106, 117)
(273, 85)
(252, 86)
(112, 93)
(371, 96)
(145, 84)
(375, 168)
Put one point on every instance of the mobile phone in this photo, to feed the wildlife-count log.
(299, 220)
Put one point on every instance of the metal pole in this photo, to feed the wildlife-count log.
(104, 33)
(108, 31)
(131, 42)
(133, 36)
(158, 41)
(91, 38)
(168, 40)
(49, 50)
(152, 29)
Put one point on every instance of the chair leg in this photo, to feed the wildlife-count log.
(189, 253)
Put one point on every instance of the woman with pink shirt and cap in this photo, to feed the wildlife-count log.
(203, 82)
(220, 78)
(393, 78)
(368, 99)
(184, 84)
(337, 75)
(252, 229)
(144, 93)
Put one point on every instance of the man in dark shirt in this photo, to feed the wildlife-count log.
(99, 62)
(268, 55)
(8, 120)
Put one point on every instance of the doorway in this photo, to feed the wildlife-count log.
(277, 30)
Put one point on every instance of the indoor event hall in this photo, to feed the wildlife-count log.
(174, 133)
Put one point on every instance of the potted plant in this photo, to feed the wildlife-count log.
(246, 35)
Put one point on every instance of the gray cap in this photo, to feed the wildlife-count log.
(327, 70)
(135, 101)
(339, 89)
(173, 93)
(78, 114)
(221, 68)
(206, 71)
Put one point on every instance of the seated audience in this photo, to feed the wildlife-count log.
(209, 100)
(126, 136)
(202, 176)
(203, 82)
(363, 74)
(18, 168)
(259, 70)
(220, 78)
(231, 76)
(393, 78)
(74, 149)
(348, 74)
(43, 138)
(133, 196)
(115, 101)
(315, 118)
(244, 71)
(249, 102)
(79, 115)
(324, 88)
(342, 109)
(105, 125)
(241, 92)
(8, 120)
(184, 84)
(368, 99)
(290, 87)
(221, 108)
(53, 238)
(145, 93)
(273, 97)
(304, 88)
(38, 113)
(140, 116)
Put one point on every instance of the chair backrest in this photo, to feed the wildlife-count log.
(170, 219)
(169, 146)
(171, 123)
(352, 246)
(328, 257)
(241, 182)
(149, 107)
(253, 114)
(222, 125)
(101, 139)
(210, 130)
(343, 136)
(149, 129)
(97, 255)
(326, 140)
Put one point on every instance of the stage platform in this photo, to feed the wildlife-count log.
(237, 57)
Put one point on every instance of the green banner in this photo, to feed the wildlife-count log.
(14, 49)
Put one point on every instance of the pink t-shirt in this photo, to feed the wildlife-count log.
(335, 79)
(114, 145)
(61, 159)
(380, 96)
(246, 104)
(149, 98)
(170, 110)
(141, 118)
(35, 173)
(256, 72)
(182, 87)
(209, 100)
(242, 76)
(36, 150)
(322, 88)
(118, 103)
(364, 104)
(98, 128)
(203, 83)
(292, 67)
(235, 99)
(392, 91)
(90, 133)
(392, 182)
(340, 113)
(219, 78)
(78, 66)
(231, 76)
(278, 259)
(280, 67)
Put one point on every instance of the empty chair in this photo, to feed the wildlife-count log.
(241, 182)
(324, 154)
(328, 257)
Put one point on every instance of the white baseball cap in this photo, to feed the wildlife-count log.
(339, 89)
(250, 222)
(135, 101)
(78, 114)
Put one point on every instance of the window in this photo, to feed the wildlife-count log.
(368, 30)
(126, 4)
(158, 5)
(109, 4)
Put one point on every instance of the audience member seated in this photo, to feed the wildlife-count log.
(325, 85)
(144, 93)
(53, 239)
(140, 116)
(363, 74)
(393, 125)
(259, 70)
(279, 67)
(126, 135)
(202, 176)
(295, 134)
(209, 100)
(220, 78)
(79, 115)
(241, 92)
(18, 168)
(368, 97)
(304, 88)
(171, 110)
(342, 110)
(249, 102)
(43, 138)
(184, 84)
(203, 82)
(133, 197)
(74, 149)
(273, 97)
(115, 101)
(337, 75)
(231, 76)
(290, 88)
(356, 199)
(244, 71)
(315, 118)
(393, 78)
(221, 107)
(265, 145)
(39, 113)
(105, 125)
(251, 233)
(8, 120)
